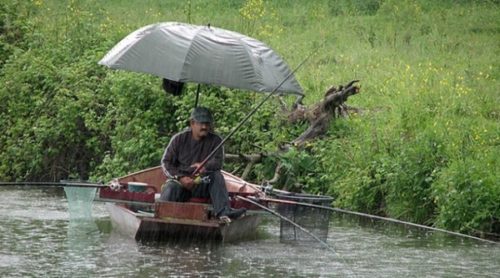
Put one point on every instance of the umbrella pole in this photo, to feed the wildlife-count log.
(197, 170)
(197, 96)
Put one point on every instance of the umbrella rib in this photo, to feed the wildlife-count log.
(274, 75)
(191, 42)
(258, 73)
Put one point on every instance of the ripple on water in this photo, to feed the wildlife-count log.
(10, 261)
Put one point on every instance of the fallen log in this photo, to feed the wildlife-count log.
(332, 106)
(319, 116)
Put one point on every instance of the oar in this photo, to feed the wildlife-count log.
(374, 217)
(62, 183)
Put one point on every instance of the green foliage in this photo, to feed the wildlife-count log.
(467, 194)
(135, 122)
(424, 148)
(410, 177)
(47, 94)
(14, 24)
(298, 170)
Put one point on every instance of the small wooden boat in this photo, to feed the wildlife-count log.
(141, 215)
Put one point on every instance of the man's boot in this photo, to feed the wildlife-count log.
(232, 213)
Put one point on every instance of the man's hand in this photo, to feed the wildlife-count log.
(196, 165)
(187, 182)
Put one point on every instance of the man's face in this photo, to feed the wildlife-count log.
(199, 130)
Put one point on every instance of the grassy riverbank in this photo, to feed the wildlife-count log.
(425, 147)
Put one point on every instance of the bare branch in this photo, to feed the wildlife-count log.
(319, 117)
(244, 157)
(331, 107)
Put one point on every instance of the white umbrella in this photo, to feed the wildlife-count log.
(202, 54)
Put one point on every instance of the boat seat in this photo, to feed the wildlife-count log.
(200, 200)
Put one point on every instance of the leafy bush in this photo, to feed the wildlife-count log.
(467, 194)
(47, 94)
(409, 184)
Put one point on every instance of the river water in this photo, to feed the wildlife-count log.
(39, 239)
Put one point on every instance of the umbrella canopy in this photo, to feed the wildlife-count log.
(202, 54)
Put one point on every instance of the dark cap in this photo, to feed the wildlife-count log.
(201, 115)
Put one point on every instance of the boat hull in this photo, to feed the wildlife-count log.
(148, 228)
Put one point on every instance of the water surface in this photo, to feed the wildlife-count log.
(39, 239)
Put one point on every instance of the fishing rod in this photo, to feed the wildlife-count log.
(62, 183)
(290, 202)
(298, 226)
(197, 170)
(287, 220)
(375, 217)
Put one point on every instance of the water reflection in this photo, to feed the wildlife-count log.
(82, 238)
(40, 239)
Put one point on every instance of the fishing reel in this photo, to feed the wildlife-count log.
(267, 187)
(115, 185)
(201, 180)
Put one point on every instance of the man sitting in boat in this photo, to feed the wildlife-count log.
(184, 154)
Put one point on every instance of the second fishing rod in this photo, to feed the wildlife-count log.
(214, 151)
